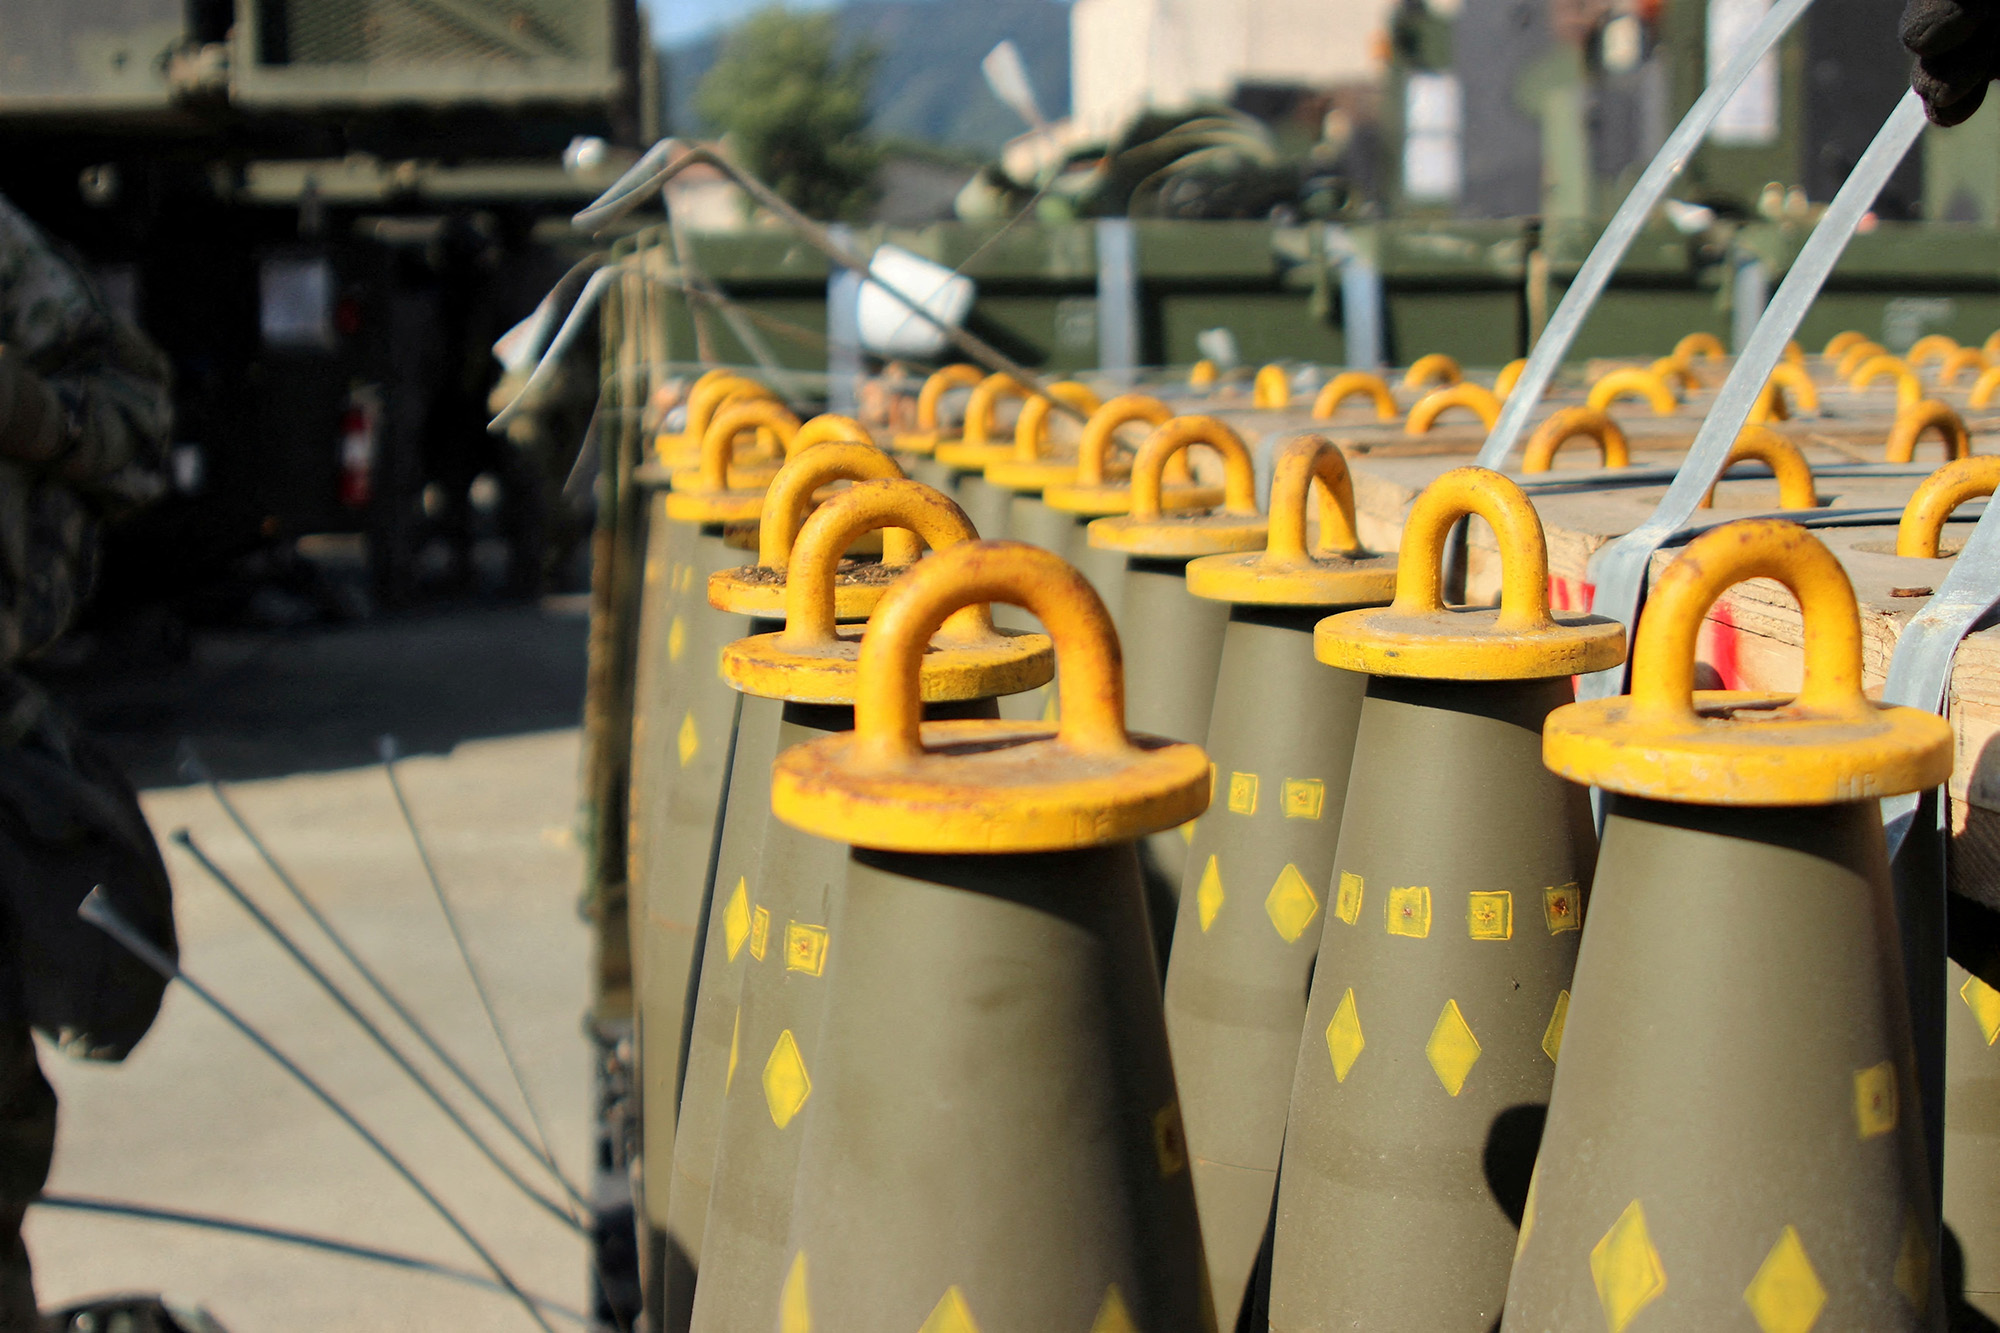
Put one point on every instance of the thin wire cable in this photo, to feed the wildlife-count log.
(387, 748)
(79, 1203)
(98, 911)
(381, 1039)
(194, 764)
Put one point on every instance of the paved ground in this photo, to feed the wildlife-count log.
(197, 1119)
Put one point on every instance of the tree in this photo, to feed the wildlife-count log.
(796, 109)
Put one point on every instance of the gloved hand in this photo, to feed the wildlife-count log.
(1957, 45)
(33, 428)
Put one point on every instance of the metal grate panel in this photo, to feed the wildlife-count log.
(431, 32)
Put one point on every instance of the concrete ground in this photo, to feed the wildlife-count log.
(197, 1119)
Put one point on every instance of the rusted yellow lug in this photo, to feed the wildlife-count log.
(1509, 376)
(1855, 355)
(1915, 419)
(924, 439)
(1763, 445)
(1931, 346)
(977, 447)
(706, 396)
(1909, 388)
(987, 786)
(1272, 389)
(1960, 361)
(1031, 467)
(1356, 384)
(813, 659)
(1943, 491)
(1837, 345)
(1729, 747)
(710, 496)
(1418, 635)
(1631, 382)
(1576, 423)
(1097, 489)
(1339, 571)
(1474, 397)
(1699, 344)
(1436, 368)
(1149, 530)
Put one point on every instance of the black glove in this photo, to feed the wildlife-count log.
(33, 428)
(1957, 46)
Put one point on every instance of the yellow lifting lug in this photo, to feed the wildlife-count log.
(1937, 496)
(1764, 445)
(1149, 531)
(1099, 489)
(1914, 419)
(1476, 398)
(1418, 635)
(1337, 571)
(924, 439)
(1356, 384)
(896, 783)
(716, 492)
(1829, 744)
(1576, 423)
(1632, 382)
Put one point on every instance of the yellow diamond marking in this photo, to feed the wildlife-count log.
(1452, 1049)
(1786, 1295)
(1343, 1037)
(1552, 1035)
(676, 639)
(760, 933)
(1187, 832)
(1347, 902)
(1527, 1214)
(951, 1315)
(1242, 793)
(805, 948)
(1984, 1002)
(1305, 798)
(1208, 896)
(1291, 904)
(786, 1085)
(689, 741)
(1169, 1139)
(794, 1314)
(1490, 916)
(736, 919)
(1563, 906)
(1626, 1269)
(1112, 1316)
(1409, 912)
(735, 1044)
(1913, 1263)
(1875, 1099)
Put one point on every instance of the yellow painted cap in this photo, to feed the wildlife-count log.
(1148, 529)
(1341, 572)
(986, 785)
(713, 494)
(1829, 744)
(1418, 635)
(1096, 491)
(976, 447)
(813, 659)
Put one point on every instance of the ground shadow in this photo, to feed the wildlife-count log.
(266, 703)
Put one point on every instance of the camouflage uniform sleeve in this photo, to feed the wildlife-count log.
(114, 384)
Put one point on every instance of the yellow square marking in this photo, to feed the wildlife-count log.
(688, 740)
(1490, 916)
(786, 1084)
(735, 1043)
(1242, 793)
(1169, 1139)
(1409, 911)
(805, 948)
(951, 1315)
(1913, 1263)
(1208, 896)
(676, 639)
(1305, 798)
(1112, 1316)
(1563, 905)
(1452, 1049)
(1347, 901)
(1552, 1035)
(1343, 1037)
(1291, 904)
(1984, 1002)
(736, 919)
(1786, 1295)
(1626, 1269)
(760, 933)
(794, 1313)
(1875, 1099)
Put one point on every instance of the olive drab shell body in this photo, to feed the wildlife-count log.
(1734, 1139)
(1443, 971)
(1173, 649)
(1056, 530)
(779, 925)
(993, 1141)
(713, 1036)
(1972, 1139)
(678, 802)
(983, 502)
(1253, 901)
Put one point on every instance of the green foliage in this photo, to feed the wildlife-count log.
(796, 110)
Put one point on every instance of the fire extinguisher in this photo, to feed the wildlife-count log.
(359, 423)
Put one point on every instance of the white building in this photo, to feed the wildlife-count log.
(1128, 55)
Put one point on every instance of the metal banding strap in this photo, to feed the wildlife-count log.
(1619, 569)
(1624, 227)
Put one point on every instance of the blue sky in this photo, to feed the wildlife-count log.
(677, 20)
